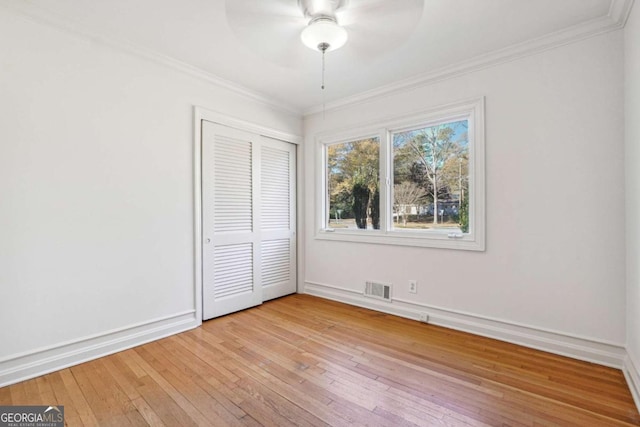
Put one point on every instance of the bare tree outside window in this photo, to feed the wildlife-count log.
(407, 196)
(433, 159)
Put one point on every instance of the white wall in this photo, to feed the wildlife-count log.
(555, 255)
(632, 167)
(96, 185)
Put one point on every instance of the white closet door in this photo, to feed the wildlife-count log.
(248, 219)
(278, 219)
(231, 245)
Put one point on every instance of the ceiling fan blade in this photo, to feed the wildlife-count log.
(269, 28)
(376, 27)
(367, 12)
(313, 8)
(266, 9)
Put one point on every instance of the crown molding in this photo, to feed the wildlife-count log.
(616, 19)
(39, 15)
(619, 12)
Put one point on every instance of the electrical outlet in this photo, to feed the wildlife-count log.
(413, 286)
(424, 317)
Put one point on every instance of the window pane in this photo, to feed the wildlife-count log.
(353, 184)
(431, 178)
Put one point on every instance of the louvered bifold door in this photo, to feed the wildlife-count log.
(277, 219)
(231, 247)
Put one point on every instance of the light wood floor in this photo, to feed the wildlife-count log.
(304, 361)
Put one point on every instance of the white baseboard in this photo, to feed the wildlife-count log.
(632, 376)
(590, 350)
(28, 365)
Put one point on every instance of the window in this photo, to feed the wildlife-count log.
(353, 184)
(430, 178)
(416, 181)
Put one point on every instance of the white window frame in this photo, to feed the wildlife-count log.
(474, 240)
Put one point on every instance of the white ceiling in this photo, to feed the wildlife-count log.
(449, 32)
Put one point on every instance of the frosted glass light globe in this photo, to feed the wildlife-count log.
(324, 30)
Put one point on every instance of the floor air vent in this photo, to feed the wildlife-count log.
(378, 290)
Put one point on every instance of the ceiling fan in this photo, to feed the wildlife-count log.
(277, 29)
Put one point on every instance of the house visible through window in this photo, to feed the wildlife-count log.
(416, 181)
(431, 178)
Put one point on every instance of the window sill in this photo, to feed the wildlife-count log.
(403, 238)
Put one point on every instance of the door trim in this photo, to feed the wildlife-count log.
(200, 114)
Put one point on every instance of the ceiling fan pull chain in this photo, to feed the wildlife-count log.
(322, 87)
(323, 48)
(323, 93)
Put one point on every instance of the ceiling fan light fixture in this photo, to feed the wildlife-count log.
(323, 31)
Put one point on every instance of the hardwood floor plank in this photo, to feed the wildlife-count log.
(357, 415)
(19, 395)
(47, 396)
(163, 405)
(205, 377)
(78, 402)
(179, 376)
(5, 396)
(147, 412)
(116, 396)
(101, 401)
(312, 401)
(63, 397)
(168, 388)
(32, 394)
(305, 361)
